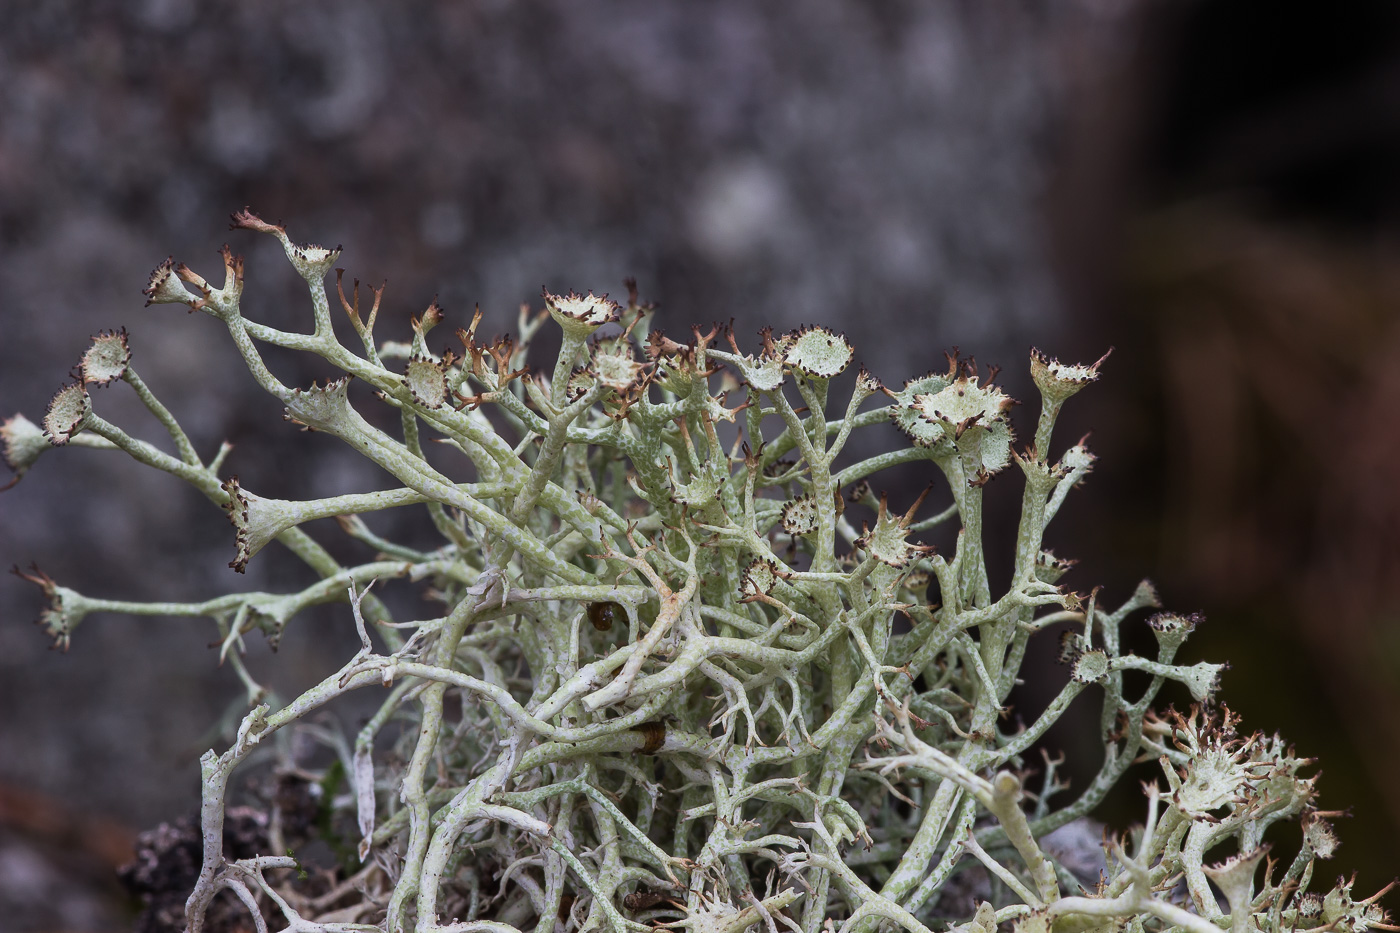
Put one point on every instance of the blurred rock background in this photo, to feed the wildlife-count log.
(1217, 202)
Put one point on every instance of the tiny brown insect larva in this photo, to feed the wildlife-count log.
(655, 734)
(602, 615)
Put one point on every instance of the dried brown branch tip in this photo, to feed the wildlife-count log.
(694, 660)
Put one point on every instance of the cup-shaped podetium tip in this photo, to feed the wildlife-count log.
(580, 315)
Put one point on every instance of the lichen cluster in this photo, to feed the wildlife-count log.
(691, 669)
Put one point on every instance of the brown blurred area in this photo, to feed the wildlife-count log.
(1227, 215)
(1217, 199)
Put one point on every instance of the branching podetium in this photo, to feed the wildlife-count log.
(709, 677)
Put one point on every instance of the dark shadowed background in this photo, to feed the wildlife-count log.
(1211, 187)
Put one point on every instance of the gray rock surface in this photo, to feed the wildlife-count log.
(871, 166)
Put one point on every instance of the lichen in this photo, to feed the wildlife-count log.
(668, 683)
